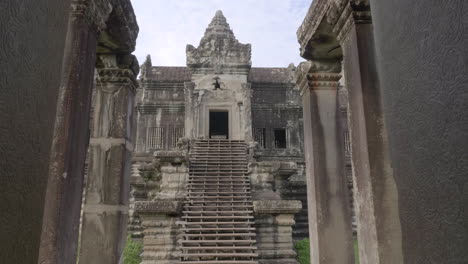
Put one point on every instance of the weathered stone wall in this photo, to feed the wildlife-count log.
(422, 60)
(32, 38)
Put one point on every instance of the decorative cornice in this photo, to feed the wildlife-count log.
(94, 12)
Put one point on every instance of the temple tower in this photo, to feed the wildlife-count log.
(217, 99)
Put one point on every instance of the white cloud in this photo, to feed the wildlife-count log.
(166, 27)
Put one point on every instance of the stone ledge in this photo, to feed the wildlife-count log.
(277, 207)
(159, 207)
(171, 157)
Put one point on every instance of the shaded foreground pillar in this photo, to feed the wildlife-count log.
(421, 46)
(59, 236)
(329, 214)
(376, 195)
(107, 189)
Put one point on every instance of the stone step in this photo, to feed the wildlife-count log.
(232, 254)
(217, 242)
(219, 235)
(218, 262)
(218, 217)
(217, 206)
(221, 248)
(218, 223)
(210, 198)
(202, 229)
(219, 212)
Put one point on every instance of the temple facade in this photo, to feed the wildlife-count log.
(218, 167)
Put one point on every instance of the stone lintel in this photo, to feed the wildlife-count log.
(106, 142)
(94, 12)
(311, 22)
(159, 207)
(339, 14)
(277, 206)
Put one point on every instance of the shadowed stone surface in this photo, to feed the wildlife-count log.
(422, 61)
(32, 40)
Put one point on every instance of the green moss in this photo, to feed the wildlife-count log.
(132, 252)
(356, 252)
(303, 251)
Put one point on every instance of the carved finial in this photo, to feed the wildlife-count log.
(219, 49)
(219, 25)
(148, 60)
(146, 67)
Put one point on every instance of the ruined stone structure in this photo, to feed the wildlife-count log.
(218, 170)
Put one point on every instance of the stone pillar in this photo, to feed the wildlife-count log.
(376, 196)
(329, 214)
(105, 211)
(190, 102)
(273, 221)
(161, 228)
(60, 225)
(422, 62)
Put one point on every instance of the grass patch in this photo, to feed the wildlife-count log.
(132, 252)
(303, 251)
(356, 251)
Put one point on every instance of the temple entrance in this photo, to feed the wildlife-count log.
(219, 124)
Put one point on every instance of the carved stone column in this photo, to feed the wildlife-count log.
(60, 225)
(189, 109)
(273, 221)
(161, 229)
(105, 211)
(329, 216)
(376, 196)
(247, 111)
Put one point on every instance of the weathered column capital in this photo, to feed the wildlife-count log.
(318, 75)
(355, 12)
(94, 12)
(121, 69)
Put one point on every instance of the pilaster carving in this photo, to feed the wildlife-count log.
(318, 75)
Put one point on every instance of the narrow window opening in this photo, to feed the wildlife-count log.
(280, 138)
(259, 136)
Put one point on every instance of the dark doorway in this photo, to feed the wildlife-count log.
(219, 125)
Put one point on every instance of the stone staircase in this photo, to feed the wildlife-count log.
(218, 221)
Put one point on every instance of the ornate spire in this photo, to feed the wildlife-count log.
(219, 51)
(219, 25)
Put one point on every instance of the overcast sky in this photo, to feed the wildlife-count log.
(167, 26)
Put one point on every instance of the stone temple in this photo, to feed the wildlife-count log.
(208, 163)
(218, 169)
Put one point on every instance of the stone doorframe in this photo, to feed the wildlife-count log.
(206, 109)
(104, 29)
(336, 39)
